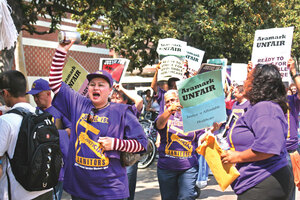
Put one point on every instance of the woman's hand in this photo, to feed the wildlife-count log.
(230, 157)
(118, 87)
(249, 66)
(66, 47)
(291, 66)
(106, 143)
(174, 107)
(216, 126)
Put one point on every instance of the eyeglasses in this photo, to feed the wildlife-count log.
(91, 115)
(2, 91)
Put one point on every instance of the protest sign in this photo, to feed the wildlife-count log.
(238, 73)
(220, 61)
(273, 46)
(75, 76)
(194, 57)
(117, 67)
(171, 53)
(202, 98)
(208, 67)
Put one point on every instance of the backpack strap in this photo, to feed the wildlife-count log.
(8, 180)
(22, 112)
(19, 110)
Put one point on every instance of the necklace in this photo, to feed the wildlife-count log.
(107, 104)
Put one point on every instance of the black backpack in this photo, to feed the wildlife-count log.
(37, 159)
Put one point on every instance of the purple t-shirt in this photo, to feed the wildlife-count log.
(238, 110)
(63, 136)
(161, 100)
(92, 173)
(292, 118)
(263, 128)
(177, 149)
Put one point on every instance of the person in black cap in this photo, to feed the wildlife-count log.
(100, 131)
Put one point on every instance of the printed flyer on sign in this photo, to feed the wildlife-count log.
(220, 61)
(171, 53)
(117, 67)
(238, 73)
(208, 67)
(75, 76)
(194, 57)
(202, 98)
(273, 46)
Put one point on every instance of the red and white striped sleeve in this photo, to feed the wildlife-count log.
(55, 77)
(131, 145)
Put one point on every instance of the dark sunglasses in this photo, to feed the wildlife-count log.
(91, 115)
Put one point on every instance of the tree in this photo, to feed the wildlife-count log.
(223, 29)
(26, 13)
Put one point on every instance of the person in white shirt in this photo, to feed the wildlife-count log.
(13, 90)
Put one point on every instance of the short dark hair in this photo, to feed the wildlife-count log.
(124, 96)
(240, 88)
(14, 81)
(171, 80)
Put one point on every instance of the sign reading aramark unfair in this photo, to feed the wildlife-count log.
(202, 98)
(194, 57)
(117, 67)
(171, 53)
(75, 76)
(273, 46)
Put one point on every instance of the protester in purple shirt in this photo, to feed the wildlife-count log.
(177, 166)
(292, 116)
(257, 141)
(239, 107)
(293, 111)
(123, 96)
(100, 131)
(41, 93)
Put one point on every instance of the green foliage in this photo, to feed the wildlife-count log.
(223, 29)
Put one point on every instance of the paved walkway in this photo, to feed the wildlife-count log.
(147, 188)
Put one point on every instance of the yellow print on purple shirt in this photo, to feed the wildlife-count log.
(94, 146)
(175, 138)
(235, 113)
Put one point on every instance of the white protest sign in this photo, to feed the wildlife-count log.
(273, 46)
(194, 57)
(171, 54)
(238, 73)
(171, 47)
(171, 66)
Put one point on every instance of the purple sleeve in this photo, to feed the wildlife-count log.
(69, 101)
(296, 101)
(269, 131)
(133, 129)
(66, 122)
(161, 99)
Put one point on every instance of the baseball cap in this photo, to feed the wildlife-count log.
(38, 86)
(102, 74)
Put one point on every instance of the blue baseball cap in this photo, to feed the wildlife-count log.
(102, 74)
(38, 86)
